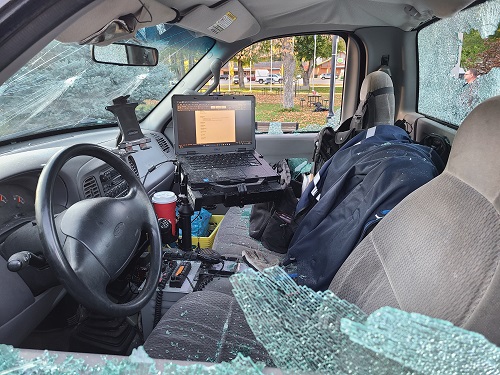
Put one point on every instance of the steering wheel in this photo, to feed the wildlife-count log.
(97, 237)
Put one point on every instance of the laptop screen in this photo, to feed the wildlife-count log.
(208, 124)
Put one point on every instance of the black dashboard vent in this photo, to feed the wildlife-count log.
(162, 142)
(90, 188)
(133, 165)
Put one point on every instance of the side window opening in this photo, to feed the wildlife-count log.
(459, 65)
(290, 78)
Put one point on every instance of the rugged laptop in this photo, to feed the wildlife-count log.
(215, 140)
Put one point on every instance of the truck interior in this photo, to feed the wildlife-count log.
(87, 138)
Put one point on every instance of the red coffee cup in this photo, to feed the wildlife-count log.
(164, 203)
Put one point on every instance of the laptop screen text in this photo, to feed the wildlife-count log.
(214, 123)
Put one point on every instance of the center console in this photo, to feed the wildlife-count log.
(185, 270)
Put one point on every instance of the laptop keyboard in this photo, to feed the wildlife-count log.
(223, 161)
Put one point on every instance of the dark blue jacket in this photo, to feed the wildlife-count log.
(356, 188)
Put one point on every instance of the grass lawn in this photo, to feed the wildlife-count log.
(269, 105)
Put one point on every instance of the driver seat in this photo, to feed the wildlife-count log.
(436, 253)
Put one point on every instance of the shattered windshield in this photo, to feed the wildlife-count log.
(61, 87)
(466, 70)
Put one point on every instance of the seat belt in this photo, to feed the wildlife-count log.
(358, 117)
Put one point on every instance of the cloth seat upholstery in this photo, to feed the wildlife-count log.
(232, 237)
(438, 251)
(204, 326)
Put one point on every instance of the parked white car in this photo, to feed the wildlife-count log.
(275, 78)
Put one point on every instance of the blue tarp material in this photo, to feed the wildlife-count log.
(357, 187)
(199, 223)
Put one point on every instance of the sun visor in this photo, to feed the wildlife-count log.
(114, 20)
(228, 22)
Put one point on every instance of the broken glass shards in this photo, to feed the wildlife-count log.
(9, 358)
(305, 332)
(316, 332)
(424, 344)
(12, 362)
(300, 328)
(275, 128)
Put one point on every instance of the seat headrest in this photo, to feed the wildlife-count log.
(474, 157)
(381, 107)
(374, 81)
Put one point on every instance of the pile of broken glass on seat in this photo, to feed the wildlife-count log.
(308, 332)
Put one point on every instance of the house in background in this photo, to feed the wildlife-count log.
(276, 69)
(325, 66)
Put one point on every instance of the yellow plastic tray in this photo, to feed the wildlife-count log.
(207, 242)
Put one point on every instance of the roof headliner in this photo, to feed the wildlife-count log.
(260, 19)
(337, 14)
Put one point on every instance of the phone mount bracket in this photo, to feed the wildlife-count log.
(131, 133)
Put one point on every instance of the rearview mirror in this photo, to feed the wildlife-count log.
(125, 54)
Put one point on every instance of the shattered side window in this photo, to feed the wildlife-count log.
(305, 332)
(459, 62)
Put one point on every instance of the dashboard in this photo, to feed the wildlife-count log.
(16, 204)
(30, 294)
(82, 177)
